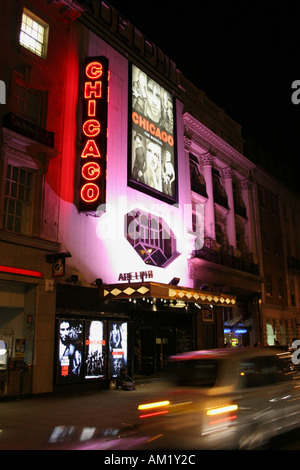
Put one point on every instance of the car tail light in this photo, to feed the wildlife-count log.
(221, 414)
(153, 409)
(221, 409)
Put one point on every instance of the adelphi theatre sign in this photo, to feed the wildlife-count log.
(94, 135)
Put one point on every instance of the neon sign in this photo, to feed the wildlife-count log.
(94, 135)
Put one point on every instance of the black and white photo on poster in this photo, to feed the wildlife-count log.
(117, 347)
(94, 349)
(152, 159)
(70, 350)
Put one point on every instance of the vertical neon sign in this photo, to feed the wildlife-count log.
(94, 135)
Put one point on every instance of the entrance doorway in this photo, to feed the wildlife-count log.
(155, 344)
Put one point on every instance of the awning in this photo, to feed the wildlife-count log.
(164, 291)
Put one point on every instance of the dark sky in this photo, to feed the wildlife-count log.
(244, 55)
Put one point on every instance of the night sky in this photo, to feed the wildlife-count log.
(244, 55)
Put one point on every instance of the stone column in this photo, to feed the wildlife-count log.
(227, 174)
(209, 222)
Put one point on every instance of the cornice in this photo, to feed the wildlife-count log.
(211, 138)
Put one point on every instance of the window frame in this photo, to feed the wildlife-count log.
(41, 23)
(19, 80)
(25, 228)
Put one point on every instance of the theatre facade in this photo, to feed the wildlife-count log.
(145, 244)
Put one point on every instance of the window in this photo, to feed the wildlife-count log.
(261, 197)
(34, 34)
(197, 180)
(280, 287)
(27, 103)
(292, 291)
(268, 284)
(17, 200)
(262, 371)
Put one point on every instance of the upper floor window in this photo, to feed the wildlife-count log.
(17, 200)
(27, 102)
(269, 284)
(34, 34)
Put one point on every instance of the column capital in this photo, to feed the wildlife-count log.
(207, 159)
(246, 185)
(187, 143)
(227, 173)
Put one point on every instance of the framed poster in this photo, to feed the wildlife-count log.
(69, 347)
(117, 346)
(95, 349)
(152, 162)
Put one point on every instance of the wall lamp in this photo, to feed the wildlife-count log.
(72, 278)
(174, 281)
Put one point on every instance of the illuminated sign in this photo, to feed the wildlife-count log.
(94, 135)
(95, 349)
(117, 347)
(70, 335)
(20, 271)
(135, 276)
(152, 166)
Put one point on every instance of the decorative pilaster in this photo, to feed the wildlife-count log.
(227, 174)
(209, 218)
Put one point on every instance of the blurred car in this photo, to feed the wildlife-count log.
(224, 399)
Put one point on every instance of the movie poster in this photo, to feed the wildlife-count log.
(117, 344)
(152, 163)
(69, 350)
(94, 349)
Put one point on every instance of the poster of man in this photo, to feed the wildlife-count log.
(69, 350)
(152, 154)
(117, 344)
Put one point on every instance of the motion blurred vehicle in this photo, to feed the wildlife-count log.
(224, 399)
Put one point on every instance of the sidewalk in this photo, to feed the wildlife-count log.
(83, 419)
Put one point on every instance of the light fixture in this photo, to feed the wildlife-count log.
(175, 281)
(97, 282)
(72, 278)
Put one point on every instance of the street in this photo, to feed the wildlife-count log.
(69, 422)
(86, 421)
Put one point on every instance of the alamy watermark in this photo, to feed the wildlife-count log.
(2, 92)
(296, 94)
(296, 353)
(113, 218)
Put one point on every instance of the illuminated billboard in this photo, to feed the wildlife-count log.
(95, 349)
(94, 134)
(70, 336)
(152, 166)
(117, 347)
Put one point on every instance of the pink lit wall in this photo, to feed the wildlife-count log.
(98, 246)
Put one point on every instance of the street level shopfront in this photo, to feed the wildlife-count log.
(133, 325)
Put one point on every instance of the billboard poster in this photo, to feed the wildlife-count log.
(117, 344)
(69, 350)
(95, 345)
(152, 166)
